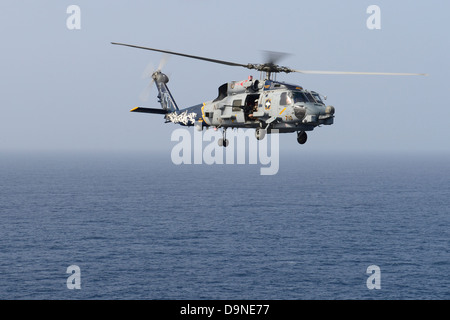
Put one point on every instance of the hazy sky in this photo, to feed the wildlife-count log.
(71, 90)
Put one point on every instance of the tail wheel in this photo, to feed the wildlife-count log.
(260, 133)
(302, 137)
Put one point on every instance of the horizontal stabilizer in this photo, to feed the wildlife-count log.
(148, 110)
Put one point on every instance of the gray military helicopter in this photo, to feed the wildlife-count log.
(264, 104)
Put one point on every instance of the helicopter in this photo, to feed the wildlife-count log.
(267, 105)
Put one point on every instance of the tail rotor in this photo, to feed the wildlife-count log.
(151, 72)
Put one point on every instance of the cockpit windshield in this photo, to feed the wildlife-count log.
(310, 97)
(317, 97)
(305, 96)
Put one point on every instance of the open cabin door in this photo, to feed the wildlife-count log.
(251, 106)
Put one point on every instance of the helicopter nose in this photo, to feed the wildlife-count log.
(329, 110)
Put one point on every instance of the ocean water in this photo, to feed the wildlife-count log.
(139, 227)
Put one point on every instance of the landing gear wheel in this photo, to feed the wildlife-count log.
(223, 142)
(260, 133)
(302, 137)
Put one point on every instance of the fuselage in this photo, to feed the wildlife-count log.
(253, 103)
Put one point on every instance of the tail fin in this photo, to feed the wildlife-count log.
(164, 96)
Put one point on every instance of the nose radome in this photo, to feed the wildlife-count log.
(330, 110)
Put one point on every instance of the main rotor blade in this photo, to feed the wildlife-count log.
(185, 55)
(270, 66)
(361, 73)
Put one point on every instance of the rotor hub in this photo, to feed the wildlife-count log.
(159, 77)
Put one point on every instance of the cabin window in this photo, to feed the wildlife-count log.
(285, 98)
(237, 103)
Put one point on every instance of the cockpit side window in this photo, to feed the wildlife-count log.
(310, 97)
(317, 97)
(299, 97)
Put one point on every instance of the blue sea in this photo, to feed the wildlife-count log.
(140, 227)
